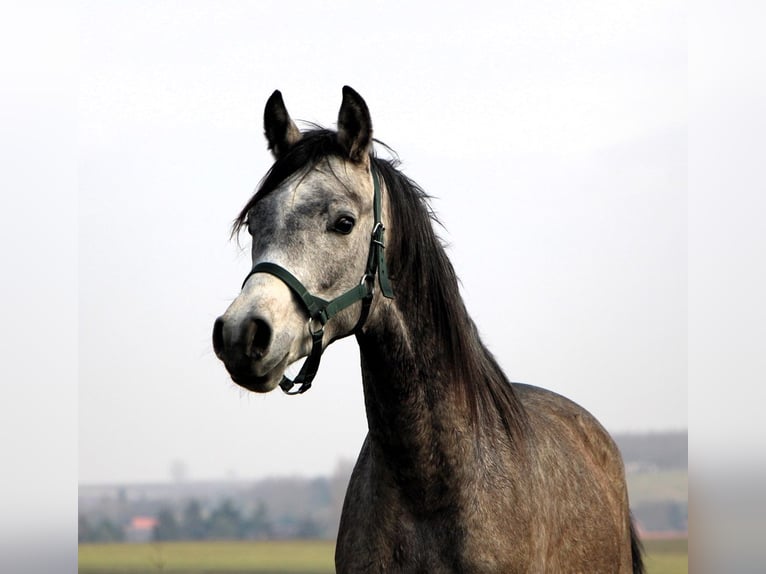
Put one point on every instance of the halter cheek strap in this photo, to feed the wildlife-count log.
(319, 310)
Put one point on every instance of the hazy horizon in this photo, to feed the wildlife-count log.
(339, 463)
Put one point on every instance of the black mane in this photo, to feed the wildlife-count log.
(421, 272)
(419, 266)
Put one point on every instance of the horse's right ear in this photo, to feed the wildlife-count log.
(280, 130)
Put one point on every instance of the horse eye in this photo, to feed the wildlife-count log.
(344, 224)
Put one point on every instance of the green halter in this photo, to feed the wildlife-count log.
(321, 311)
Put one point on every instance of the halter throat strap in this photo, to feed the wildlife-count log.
(319, 310)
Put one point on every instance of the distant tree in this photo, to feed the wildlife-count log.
(225, 523)
(107, 531)
(259, 525)
(84, 529)
(167, 527)
(101, 531)
(193, 525)
(319, 492)
(678, 516)
(659, 515)
(307, 529)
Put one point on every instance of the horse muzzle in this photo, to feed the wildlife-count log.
(245, 347)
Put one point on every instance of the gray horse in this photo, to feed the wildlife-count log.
(461, 471)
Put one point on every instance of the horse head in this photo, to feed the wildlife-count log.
(315, 227)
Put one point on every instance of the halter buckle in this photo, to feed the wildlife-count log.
(377, 234)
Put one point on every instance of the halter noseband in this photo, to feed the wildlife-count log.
(319, 310)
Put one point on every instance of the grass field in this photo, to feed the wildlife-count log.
(663, 557)
(667, 556)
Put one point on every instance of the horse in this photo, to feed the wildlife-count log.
(461, 470)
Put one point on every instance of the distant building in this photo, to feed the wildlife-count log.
(140, 529)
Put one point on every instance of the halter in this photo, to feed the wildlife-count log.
(319, 310)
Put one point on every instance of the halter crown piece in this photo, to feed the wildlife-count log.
(321, 311)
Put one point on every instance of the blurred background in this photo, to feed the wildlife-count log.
(552, 137)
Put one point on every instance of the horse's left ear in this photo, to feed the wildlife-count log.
(354, 126)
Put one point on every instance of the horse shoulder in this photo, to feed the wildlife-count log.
(580, 476)
(557, 421)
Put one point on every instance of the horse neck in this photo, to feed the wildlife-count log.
(423, 434)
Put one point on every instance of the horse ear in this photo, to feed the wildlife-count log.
(280, 130)
(354, 126)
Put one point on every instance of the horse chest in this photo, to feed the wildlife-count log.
(414, 547)
(383, 531)
(394, 542)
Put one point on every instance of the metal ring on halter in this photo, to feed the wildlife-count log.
(318, 331)
(368, 279)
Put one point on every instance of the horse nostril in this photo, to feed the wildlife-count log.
(258, 337)
(218, 337)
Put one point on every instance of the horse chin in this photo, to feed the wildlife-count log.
(255, 384)
(261, 383)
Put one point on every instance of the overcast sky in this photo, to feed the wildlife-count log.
(552, 135)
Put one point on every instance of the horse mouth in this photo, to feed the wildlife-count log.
(256, 384)
(260, 383)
